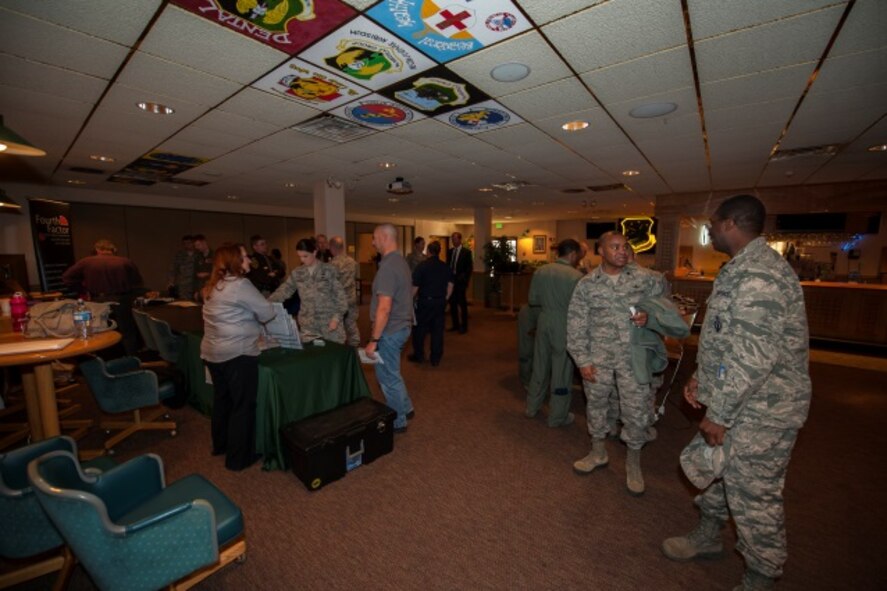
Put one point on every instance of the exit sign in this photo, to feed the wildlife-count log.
(499, 226)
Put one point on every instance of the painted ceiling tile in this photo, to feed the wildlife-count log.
(485, 116)
(378, 112)
(367, 54)
(447, 29)
(307, 84)
(287, 25)
(435, 91)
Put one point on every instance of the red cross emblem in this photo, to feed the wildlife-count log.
(453, 20)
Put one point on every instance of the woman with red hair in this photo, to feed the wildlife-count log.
(233, 313)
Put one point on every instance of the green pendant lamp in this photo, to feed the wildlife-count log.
(13, 143)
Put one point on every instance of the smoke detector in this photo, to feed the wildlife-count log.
(400, 187)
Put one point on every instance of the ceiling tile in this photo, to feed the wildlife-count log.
(777, 112)
(545, 12)
(617, 31)
(645, 76)
(847, 71)
(529, 49)
(556, 98)
(427, 132)
(268, 108)
(50, 80)
(787, 82)
(864, 28)
(782, 43)
(105, 19)
(715, 17)
(69, 49)
(159, 76)
(184, 38)
(836, 117)
(237, 125)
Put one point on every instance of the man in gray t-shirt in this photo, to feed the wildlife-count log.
(391, 315)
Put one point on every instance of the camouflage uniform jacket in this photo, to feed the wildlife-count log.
(347, 269)
(183, 273)
(598, 320)
(322, 299)
(752, 364)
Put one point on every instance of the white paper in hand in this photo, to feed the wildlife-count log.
(365, 358)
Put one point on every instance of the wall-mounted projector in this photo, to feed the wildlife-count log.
(400, 187)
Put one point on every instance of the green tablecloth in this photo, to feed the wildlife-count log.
(292, 385)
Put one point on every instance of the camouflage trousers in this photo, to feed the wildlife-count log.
(613, 404)
(751, 491)
(552, 370)
(351, 331)
(633, 404)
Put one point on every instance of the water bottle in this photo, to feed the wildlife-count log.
(82, 320)
(18, 309)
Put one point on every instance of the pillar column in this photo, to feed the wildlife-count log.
(329, 207)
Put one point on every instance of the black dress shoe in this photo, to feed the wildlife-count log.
(435, 363)
(411, 415)
(453, 329)
(415, 359)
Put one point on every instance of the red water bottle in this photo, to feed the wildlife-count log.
(18, 308)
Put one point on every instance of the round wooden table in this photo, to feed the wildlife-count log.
(37, 378)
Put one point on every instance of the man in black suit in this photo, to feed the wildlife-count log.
(459, 261)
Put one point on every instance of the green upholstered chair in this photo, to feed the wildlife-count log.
(130, 530)
(27, 531)
(120, 386)
(142, 323)
(169, 344)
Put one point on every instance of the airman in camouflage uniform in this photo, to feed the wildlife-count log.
(324, 302)
(599, 325)
(347, 268)
(550, 292)
(752, 375)
(183, 271)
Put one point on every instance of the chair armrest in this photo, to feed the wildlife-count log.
(122, 365)
(158, 517)
(130, 484)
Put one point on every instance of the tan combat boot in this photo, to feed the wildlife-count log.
(754, 581)
(704, 541)
(596, 458)
(634, 480)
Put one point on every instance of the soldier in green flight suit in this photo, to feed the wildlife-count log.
(550, 292)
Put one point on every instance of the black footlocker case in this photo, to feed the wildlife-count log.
(326, 446)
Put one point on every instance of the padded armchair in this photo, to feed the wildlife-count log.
(120, 386)
(131, 531)
(27, 530)
(169, 345)
(143, 323)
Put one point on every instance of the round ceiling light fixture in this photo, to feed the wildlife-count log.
(101, 158)
(878, 148)
(156, 108)
(574, 125)
(651, 110)
(630, 172)
(510, 72)
(387, 165)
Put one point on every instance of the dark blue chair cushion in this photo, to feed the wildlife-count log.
(166, 390)
(229, 519)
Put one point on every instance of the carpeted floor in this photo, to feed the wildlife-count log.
(476, 496)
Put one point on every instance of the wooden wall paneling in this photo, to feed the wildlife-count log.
(154, 235)
(91, 222)
(217, 227)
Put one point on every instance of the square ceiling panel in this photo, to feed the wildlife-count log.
(268, 108)
(378, 112)
(715, 17)
(646, 76)
(105, 19)
(367, 54)
(305, 83)
(227, 122)
(428, 132)
(549, 100)
(545, 12)
(184, 38)
(485, 116)
(49, 80)
(848, 71)
(529, 50)
(617, 31)
(864, 28)
(435, 92)
(157, 76)
(290, 25)
(787, 82)
(785, 42)
(446, 30)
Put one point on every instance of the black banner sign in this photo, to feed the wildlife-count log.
(51, 228)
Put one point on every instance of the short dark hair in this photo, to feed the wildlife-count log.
(275, 252)
(746, 211)
(307, 245)
(255, 238)
(418, 239)
(197, 237)
(187, 237)
(567, 246)
(434, 249)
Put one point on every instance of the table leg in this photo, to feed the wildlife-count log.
(29, 384)
(49, 411)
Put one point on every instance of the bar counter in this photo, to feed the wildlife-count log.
(849, 312)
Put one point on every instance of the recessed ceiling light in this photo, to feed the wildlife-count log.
(485, 190)
(630, 172)
(508, 217)
(574, 125)
(510, 72)
(387, 165)
(651, 110)
(393, 199)
(75, 182)
(878, 148)
(101, 158)
(289, 185)
(233, 197)
(156, 108)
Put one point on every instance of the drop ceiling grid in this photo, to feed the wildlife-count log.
(244, 127)
(155, 75)
(69, 49)
(50, 80)
(202, 142)
(549, 100)
(268, 108)
(769, 85)
(647, 76)
(713, 18)
(864, 28)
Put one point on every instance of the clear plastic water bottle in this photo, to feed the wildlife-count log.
(82, 320)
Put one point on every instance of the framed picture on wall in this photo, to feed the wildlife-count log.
(539, 244)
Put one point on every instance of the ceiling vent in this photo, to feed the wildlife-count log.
(510, 185)
(613, 187)
(574, 190)
(826, 150)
